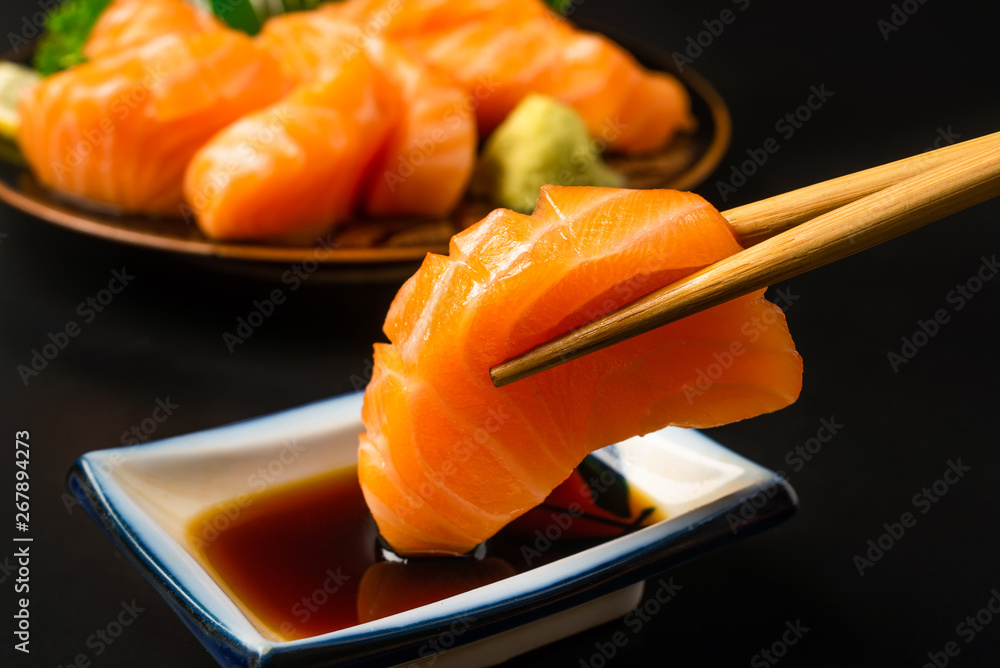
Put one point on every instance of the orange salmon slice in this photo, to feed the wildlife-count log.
(126, 24)
(447, 459)
(292, 171)
(120, 130)
(429, 156)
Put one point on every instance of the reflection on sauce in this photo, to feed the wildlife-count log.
(390, 587)
(302, 559)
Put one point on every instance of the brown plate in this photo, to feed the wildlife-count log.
(381, 250)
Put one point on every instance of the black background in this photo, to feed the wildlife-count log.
(891, 97)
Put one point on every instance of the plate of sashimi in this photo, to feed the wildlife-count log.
(436, 519)
(358, 133)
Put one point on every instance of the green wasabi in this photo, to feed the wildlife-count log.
(541, 142)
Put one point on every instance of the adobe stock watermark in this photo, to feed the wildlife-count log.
(102, 638)
(98, 133)
(787, 125)
(797, 458)
(626, 290)
(264, 308)
(361, 382)
(968, 630)
(270, 473)
(443, 641)
(138, 433)
(278, 117)
(162, 409)
(8, 568)
(32, 26)
(769, 656)
(568, 7)
(945, 137)
(260, 480)
(611, 130)
(956, 299)
(311, 603)
(376, 22)
(460, 452)
(455, 116)
(41, 356)
(635, 621)
(876, 548)
(752, 329)
(561, 519)
(22, 618)
(898, 16)
(545, 538)
(695, 45)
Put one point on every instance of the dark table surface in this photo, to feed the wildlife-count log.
(897, 87)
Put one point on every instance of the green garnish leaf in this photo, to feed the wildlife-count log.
(66, 30)
(67, 27)
(299, 5)
(561, 6)
(250, 15)
(238, 14)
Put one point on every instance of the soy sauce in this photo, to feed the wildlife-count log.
(304, 559)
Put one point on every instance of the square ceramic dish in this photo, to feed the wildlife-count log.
(144, 497)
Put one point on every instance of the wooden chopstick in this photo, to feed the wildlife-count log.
(861, 224)
(763, 219)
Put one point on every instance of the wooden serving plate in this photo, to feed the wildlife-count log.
(384, 249)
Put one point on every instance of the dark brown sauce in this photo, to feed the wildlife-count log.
(303, 559)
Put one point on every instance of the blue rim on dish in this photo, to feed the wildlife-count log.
(131, 493)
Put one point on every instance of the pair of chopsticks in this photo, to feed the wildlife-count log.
(791, 234)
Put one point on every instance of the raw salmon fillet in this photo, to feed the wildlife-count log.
(126, 24)
(121, 129)
(430, 154)
(500, 51)
(396, 19)
(447, 459)
(498, 62)
(293, 170)
(627, 107)
(311, 45)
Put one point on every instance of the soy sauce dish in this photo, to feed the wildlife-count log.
(256, 534)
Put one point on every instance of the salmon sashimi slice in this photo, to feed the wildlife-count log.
(500, 62)
(126, 24)
(311, 45)
(497, 63)
(293, 170)
(396, 19)
(447, 459)
(644, 112)
(119, 131)
(500, 51)
(430, 154)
